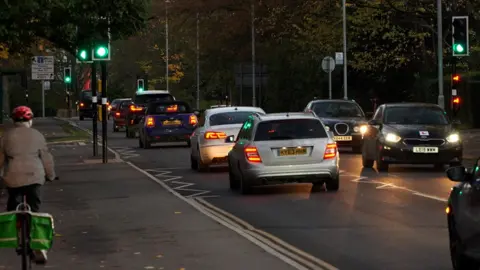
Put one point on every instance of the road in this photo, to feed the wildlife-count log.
(393, 220)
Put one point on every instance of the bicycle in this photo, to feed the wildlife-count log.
(23, 223)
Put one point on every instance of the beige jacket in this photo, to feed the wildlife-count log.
(24, 157)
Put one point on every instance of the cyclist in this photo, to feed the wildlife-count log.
(26, 163)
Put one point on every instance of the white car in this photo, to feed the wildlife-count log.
(207, 143)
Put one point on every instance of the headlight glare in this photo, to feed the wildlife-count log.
(390, 137)
(453, 138)
(363, 129)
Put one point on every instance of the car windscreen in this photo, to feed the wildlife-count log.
(337, 109)
(148, 98)
(290, 129)
(229, 118)
(410, 115)
(86, 95)
(169, 108)
(116, 102)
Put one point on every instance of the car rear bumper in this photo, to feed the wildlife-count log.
(259, 174)
(403, 154)
(215, 154)
(168, 135)
(119, 122)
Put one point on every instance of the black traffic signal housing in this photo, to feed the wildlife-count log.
(140, 85)
(460, 40)
(67, 75)
(101, 51)
(84, 54)
(456, 104)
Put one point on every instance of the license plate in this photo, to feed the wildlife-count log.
(172, 123)
(342, 138)
(425, 150)
(292, 152)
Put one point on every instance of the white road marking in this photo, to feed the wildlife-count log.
(127, 152)
(82, 143)
(430, 197)
(388, 185)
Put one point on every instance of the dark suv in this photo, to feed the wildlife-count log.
(85, 105)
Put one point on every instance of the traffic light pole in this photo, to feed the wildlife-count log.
(454, 91)
(94, 108)
(104, 111)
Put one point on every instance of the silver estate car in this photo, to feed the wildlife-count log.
(283, 147)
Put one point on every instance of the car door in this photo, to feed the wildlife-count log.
(467, 216)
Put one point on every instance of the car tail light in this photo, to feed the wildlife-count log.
(192, 120)
(330, 151)
(117, 114)
(172, 108)
(81, 104)
(252, 155)
(134, 108)
(150, 122)
(213, 135)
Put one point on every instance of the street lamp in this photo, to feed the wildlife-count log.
(166, 43)
(345, 93)
(253, 53)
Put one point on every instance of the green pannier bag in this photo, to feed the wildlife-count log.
(41, 231)
(8, 230)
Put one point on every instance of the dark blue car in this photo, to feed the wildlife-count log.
(167, 121)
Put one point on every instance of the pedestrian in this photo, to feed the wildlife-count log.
(26, 163)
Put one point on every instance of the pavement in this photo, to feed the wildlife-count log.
(391, 220)
(114, 216)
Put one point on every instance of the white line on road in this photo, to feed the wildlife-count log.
(388, 185)
(430, 197)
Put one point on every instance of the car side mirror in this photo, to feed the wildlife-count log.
(369, 115)
(197, 113)
(230, 139)
(457, 173)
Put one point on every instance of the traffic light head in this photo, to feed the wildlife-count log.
(456, 78)
(67, 75)
(84, 54)
(460, 36)
(140, 85)
(101, 51)
(456, 100)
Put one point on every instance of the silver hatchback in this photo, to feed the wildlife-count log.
(281, 148)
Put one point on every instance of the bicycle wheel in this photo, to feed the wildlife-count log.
(24, 242)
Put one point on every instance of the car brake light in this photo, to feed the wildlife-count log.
(212, 135)
(192, 120)
(117, 114)
(172, 108)
(133, 108)
(81, 104)
(330, 151)
(252, 155)
(150, 122)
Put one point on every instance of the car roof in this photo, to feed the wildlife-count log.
(287, 115)
(121, 99)
(333, 100)
(411, 104)
(152, 92)
(233, 109)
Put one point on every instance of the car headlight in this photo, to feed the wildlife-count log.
(362, 129)
(453, 138)
(390, 137)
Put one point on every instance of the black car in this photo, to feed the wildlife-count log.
(345, 118)
(411, 133)
(85, 105)
(463, 217)
(136, 111)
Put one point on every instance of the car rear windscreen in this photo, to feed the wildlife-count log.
(229, 118)
(86, 95)
(291, 129)
(148, 98)
(169, 108)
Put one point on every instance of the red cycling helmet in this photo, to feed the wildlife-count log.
(22, 114)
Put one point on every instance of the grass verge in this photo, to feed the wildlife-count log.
(74, 134)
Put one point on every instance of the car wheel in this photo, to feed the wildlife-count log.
(193, 163)
(201, 167)
(140, 142)
(382, 166)
(318, 187)
(459, 260)
(245, 188)
(333, 184)
(367, 163)
(115, 128)
(231, 178)
(146, 143)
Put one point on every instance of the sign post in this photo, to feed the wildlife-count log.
(43, 69)
(328, 65)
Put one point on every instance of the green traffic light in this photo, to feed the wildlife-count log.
(140, 89)
(458, 48)
(83, 54)
(101, 51)
(68, 79)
